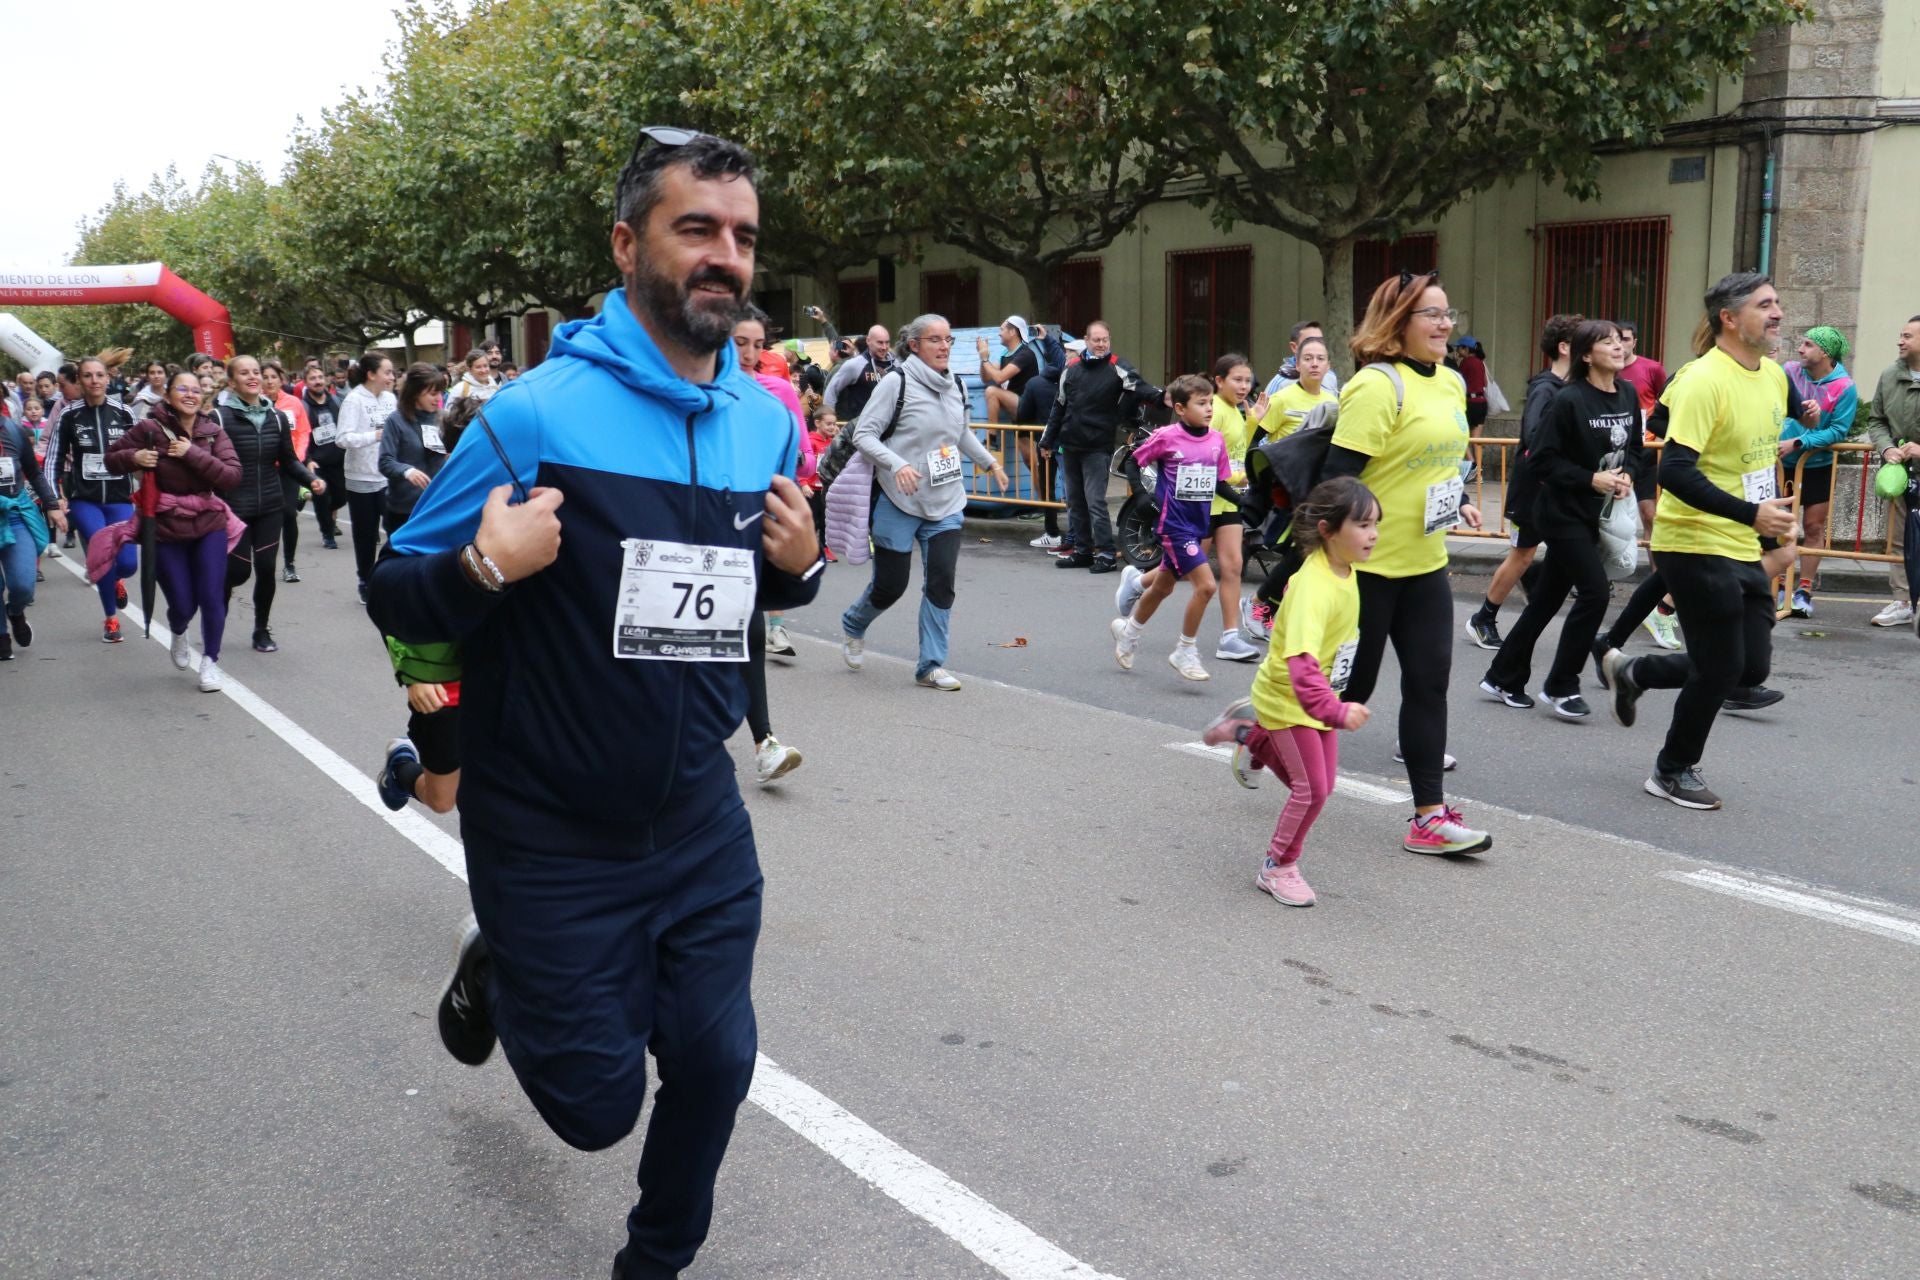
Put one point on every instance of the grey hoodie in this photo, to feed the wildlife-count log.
(933, 415)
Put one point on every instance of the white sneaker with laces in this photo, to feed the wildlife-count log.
(1185, 659)
(209, 675)
(1897, 614)
(854, 651)
(940, 678)
(774, 759)
(1233, 647)
(1133, 585)
(779, 643)
(1046, 541)
(1124, 645)
(182, 652)
(1251, 626)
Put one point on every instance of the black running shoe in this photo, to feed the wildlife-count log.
(363, 593)
(6, 647)
(466, 1026)
(1484, 631)
(1571, 707)
(1757, 698)
(1078, 560)
(291, 575)
(328, 541)
(1104, 564)
(22, 629)
(1512, 697)
(1618, 678)
(263, 641)
(1600, 648)
(1685, 788)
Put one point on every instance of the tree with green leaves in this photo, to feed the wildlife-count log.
(1365, 119)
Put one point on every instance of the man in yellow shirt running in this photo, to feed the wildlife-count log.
(1719, 497)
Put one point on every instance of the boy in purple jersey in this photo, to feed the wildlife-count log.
(1194, 467)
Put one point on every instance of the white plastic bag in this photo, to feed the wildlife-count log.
(1619, 529)
(1496, 398)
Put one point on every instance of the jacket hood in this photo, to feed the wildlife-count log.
(614, 340)
(1545, 373)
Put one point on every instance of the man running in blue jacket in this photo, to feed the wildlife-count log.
(597, 549)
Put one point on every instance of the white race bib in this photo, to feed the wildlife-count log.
(1194, 481)
(943, 465)
(93, 466)
(1342, 666)
(680, 602)
(325, 429)
(1758, 485)
(1443, 503)
(430, 436)
(6, 471)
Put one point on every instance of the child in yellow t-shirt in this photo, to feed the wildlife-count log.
(1296, 702)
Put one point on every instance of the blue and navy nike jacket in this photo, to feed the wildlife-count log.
(565, 748)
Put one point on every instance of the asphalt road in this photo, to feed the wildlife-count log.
(1016, 935)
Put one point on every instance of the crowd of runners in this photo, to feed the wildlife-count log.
(540, 577)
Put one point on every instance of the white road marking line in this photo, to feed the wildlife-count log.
(1802, 903)
(989, 1234)
(1345, 784)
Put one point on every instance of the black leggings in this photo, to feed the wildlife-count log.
(1571, 562)
(290, 518)
(1726, 609)
(1417, 615)
(255, 555)
(758, 723)
(327, 505)
(365, 510)
(1641, 603)
(893, 569)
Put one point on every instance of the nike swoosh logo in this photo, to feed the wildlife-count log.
(739, 523)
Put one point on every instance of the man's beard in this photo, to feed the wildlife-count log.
(699, 322)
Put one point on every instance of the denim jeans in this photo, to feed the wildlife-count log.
(894, 534)
(18, 565)
(1088, 524)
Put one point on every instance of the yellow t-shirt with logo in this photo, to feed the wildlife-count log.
(1731, 415)
(1416, 461)
(1319, 615)
(1233, 428)
(1286, 411)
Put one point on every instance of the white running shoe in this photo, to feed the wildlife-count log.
(939, 678)
(779, 643)
(209, 675)
(1664, 630)
(1046, 541)
(774, 759)
(1124, 645)
(854, 651)
(1233, 647)
(1185, 659)
(1253, 625)
(182, 652)
(1897, 614)
(1133, 585)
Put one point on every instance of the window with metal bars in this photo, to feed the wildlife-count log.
(1613, 270)
(1375, 260)
(1210, 305)
(1076, 301)
(953, 294)
(859, 306)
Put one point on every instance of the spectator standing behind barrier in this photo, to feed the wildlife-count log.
(1289, 373)
(1718, 500)
(1824, 418)
(922, 498)
(1893, 424)
(1405, 437)
(853, 381)
(1096, 397)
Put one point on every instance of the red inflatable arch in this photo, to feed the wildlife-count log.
(148, 282)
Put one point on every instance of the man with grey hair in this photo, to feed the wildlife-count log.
(853, 381)
(602, 622)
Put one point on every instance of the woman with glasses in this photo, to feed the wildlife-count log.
(192, 460)
(914, 433)
(1403, 431)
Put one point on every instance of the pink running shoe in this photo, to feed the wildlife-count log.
(1445, 832)
(1285, 884)
(1227, 725)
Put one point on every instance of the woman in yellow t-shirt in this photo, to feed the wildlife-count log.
(1236, 421)
(1403, 431)
(1299, 694)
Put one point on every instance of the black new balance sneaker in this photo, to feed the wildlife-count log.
(466, 1027)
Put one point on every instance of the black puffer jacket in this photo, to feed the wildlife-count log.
(264, 452)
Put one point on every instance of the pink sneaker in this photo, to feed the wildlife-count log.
(1444, 832)
(1285, 884)
(1227, 725)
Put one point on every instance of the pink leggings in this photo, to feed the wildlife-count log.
(1307, 760)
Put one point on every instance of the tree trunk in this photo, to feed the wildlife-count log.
(1336, 288)
(1039, 278)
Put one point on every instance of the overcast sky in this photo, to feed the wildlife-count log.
(173, 84)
